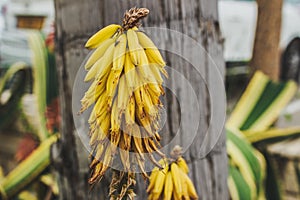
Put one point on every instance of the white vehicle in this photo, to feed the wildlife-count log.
(238, 24)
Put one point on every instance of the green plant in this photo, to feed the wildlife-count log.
(14, 82)
(246, 167)
(250, 122)
(27, 170)
(39, 70)
(45, 90)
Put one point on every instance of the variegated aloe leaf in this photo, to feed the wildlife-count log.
(28, 169)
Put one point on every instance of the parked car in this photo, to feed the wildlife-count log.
(238, 24)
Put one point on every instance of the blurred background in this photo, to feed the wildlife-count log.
(30, 109)
(28, 100)
(238, 24)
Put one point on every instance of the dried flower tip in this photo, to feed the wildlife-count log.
(132, 17)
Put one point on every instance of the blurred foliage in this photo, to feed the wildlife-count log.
(13, 84)
(251, 121)
(20, 182)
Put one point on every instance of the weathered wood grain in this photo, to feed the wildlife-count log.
(77, 20)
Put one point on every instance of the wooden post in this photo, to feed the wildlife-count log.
(78, 20)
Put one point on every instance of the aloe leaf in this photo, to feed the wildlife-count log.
(248, 160)
(28, 169)
(10, 72)
(49, 180)
(273, 187)
(238, 187)
(261, 103)
(39, 61)
(19, 77)
(271, 135)
(248, 100)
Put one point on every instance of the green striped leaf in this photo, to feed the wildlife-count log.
(52, 82)
(39, 61)
(238, 187)
(273, 187)
(28, 169)
(18, 76)
(238, 159)
(12, 70)
(271, 135)
(248, 100)
(261, 103)
(244, 156)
